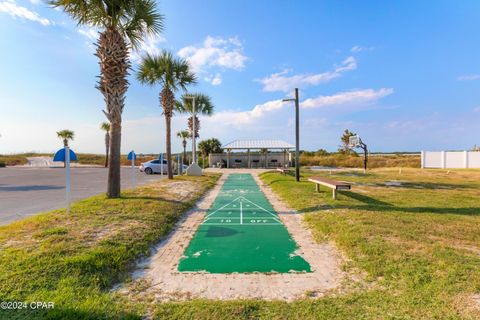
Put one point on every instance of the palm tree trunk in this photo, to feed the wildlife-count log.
(112, 51)
(107, 147)
(184, 151)
(113, 189)
(65, 144)
(169, 147)
(167, 100)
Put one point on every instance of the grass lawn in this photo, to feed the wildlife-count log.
(418, 244)
(417, 241)
(74, 260)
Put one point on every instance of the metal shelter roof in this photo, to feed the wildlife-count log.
(258, 144)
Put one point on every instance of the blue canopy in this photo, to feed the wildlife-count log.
(60, 155)
(132, 156)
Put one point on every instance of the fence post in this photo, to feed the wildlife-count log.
(422, 159)
(466, 159)
(444, 162)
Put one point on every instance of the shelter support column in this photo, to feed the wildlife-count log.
(285, 158)
(248, 155)
(228, 158)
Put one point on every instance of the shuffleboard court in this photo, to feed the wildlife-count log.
(241, 232)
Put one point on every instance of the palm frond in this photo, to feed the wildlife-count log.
(105, 126)
(184, 134)
(134, 19)
(166, 70)
(66, 134)
(203, 104)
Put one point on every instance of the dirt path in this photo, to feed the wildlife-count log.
(159, 277)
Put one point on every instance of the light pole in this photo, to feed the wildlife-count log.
(297, 134)
(194, 140)
(194, 169)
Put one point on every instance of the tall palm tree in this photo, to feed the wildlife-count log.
(105, 126)
(172, 74)
(123, 25)
(184, 135)
(203, 105)
(66, 135)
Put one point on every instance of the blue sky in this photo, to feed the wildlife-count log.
(404, 74)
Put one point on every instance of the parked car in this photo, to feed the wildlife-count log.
(154, 166)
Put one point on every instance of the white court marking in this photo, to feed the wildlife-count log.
(241, 212)
(268, 220)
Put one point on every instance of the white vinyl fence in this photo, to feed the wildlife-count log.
(451, 159)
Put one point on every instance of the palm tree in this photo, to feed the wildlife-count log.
(66, 135)
(206, 147)
(122, 25)
(184, 135)
(203, 105)
(172, 74)
(105, 126)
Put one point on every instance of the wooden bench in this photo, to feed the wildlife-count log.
(283, 170)
(334, 185)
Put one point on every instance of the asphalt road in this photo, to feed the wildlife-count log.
(28, 191)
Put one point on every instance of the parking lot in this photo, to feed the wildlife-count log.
(28, 191)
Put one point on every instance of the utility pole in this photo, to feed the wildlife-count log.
(297, 134)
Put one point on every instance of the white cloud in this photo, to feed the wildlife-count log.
(358, 97)
(470, 77)
(16, 11)
(356, 49)
(215, 80)
(150, 45)
(281, 82)
(241, 118)
(215, 52)
(90, 33)
(35, 2)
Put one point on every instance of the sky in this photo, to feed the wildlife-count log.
(404, 75)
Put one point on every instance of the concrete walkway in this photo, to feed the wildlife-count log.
(165, 282)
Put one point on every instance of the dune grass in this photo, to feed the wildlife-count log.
(74, 260)
(83, 158)
(356, 161)
(17, 159)
(98, 159)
